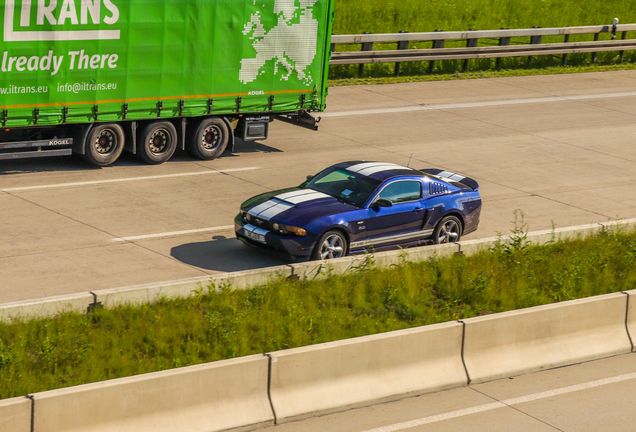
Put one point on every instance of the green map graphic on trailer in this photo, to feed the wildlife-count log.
(291, 43)
(78, 61)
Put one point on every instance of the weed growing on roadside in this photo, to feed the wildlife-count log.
(217, 322)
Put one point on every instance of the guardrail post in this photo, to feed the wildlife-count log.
(596, 35)
(436, 44)
(470, 43)
(366, 46)
(503, 41)
(622, 53)
(402, 45)
(564, 58)
(614, 25)
(533, 41)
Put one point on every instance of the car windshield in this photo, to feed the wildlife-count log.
(344, 185)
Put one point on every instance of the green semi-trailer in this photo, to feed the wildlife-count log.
(95, 77)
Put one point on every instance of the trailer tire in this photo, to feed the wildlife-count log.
(209, 140)
(104, 144)
(157, 142)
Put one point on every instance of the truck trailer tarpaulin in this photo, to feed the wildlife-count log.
(68, 67)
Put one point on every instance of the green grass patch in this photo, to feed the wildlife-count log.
(391, 16)
(219, 323)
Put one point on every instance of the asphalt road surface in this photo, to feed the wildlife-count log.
(559, 148)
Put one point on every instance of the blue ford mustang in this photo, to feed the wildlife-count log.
(354, 207)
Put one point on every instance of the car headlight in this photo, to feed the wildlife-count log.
(276, 227)
(300, 232)
(246, 215)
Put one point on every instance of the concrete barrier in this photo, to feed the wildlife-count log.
(187, 287)
(15, 415)
(471, 247)
(631, 317)
(351, 264)
(228, 394)
(544, 337)
(46, 307)
(355, 372)
(244, 279)
(619, 225)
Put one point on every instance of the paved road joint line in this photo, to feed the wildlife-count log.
(505, 403)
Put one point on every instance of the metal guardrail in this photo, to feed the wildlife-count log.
(473, 51)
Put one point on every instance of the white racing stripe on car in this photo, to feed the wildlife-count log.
(301, 196)
(451, 176)
(274, 210)
(254, 211)
(285, 201)
(370, 168)
(390, 239)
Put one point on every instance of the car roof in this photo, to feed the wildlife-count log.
(379, 171)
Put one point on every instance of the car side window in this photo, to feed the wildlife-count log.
(402, 191)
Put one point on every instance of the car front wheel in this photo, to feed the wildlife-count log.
(449, 230)
(331, 244)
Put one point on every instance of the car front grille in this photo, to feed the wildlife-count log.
(261, 223)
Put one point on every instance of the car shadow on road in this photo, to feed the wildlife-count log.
(224, 254)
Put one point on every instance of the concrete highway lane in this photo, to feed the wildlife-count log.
(588, 397)
(560, 148)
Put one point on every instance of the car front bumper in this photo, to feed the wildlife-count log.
(296, 248)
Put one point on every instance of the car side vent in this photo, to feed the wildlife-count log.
(437, 188)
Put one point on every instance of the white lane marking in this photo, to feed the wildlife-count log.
(502, 404)
(129, 179)
(172, 233)
(477, 104)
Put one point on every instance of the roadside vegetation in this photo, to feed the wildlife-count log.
(391, 16)
(219, 323)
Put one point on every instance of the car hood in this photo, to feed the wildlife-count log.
(294, 206)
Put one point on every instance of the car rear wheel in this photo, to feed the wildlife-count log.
(448, 230)
(331, 244)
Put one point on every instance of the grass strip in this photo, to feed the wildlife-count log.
(219, 323)
(391, 16)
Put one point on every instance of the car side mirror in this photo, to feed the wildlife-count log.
(382, 202)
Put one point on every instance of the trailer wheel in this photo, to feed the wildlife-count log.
(157, 142)
(104, 144)
(209, 140)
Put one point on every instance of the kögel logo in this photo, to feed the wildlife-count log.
(35, 13)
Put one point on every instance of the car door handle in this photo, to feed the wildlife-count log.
(418, 209)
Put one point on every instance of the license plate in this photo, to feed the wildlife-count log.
(254, 236)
